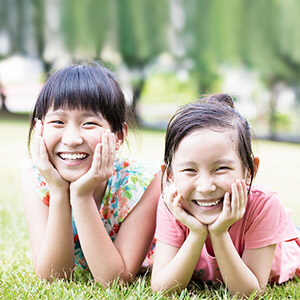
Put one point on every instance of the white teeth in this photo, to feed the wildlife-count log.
(206, 204)
(75, 156)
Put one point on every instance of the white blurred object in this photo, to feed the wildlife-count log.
(20, 69)
(21, 79)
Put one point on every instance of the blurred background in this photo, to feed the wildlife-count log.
(164, 52)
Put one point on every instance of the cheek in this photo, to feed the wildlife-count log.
(226, 181)
(183, 184)
(50, 138)
(94, 138)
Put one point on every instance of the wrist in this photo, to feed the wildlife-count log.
(198, 235)
(219, 228)
(218, 234)
(59, 195)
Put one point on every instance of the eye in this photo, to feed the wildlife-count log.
(222, 169)
(56, 122)
(90, 124)
(189, 170)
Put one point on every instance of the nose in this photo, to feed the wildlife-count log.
(71, 136)
(205, 184)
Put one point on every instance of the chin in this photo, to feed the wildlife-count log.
(208, 220)
(70, 177)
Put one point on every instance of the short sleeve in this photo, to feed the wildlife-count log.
(269, 222)
(168, 229)
(35, 179)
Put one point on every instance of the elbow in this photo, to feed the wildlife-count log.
(155, 287)
(51, 275)
(254, 292)
(160, 286)
(106, 280)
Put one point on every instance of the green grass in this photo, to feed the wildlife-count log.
(280, 165)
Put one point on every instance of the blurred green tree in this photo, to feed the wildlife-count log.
(270, 44)
(85, 25)
(201, 33)
(141, 36)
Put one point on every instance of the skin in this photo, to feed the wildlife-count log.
(206, 169)
(81, 184)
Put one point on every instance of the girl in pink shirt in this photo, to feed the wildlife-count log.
(211, 224)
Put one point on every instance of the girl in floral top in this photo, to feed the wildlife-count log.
(84, 206)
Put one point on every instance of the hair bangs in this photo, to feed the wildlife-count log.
(77, 89)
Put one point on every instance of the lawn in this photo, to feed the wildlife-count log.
(279, 168)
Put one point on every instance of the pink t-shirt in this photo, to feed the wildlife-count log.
(264, 223)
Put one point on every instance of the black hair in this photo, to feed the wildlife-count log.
(215, 112)
(86, 86)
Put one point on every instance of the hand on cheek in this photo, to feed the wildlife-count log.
(41, 160)
(172, 200)
(101, 169)
(234, 206)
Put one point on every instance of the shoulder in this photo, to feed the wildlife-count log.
(267, 221)
(137, 172)
(263, 201)
(264, 191)
(261, 195)
(135, 166)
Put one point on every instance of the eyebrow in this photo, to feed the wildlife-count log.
(84, 114)
(186, 163)
(225, 161)
(217, 162)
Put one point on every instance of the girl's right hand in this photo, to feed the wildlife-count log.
(41, 160)
(172, 200)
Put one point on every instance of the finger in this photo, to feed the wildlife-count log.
(176, 201)
(241, 194)
(169, 195)
(234, 198)
(111, 151)
(37, 134)
(244, 192)
(104, 152)
(42, 149)
(96, 162)
(226, 203)
(40, 156)
(38, 127)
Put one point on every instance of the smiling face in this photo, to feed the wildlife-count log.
(71, 137)
(203, 168)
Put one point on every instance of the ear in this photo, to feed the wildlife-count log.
(255, 166)
(167, 179)
(121, 136)
(170, 176)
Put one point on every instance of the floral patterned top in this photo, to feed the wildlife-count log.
(124, 189)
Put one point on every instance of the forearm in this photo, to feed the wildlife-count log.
(55, 257)
(178, 272)
(237, 276)
(103, 258)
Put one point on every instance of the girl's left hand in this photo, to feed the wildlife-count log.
(101, 169)
(233, 209)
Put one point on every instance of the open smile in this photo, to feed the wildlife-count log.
(205, 203)
(72, 156)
